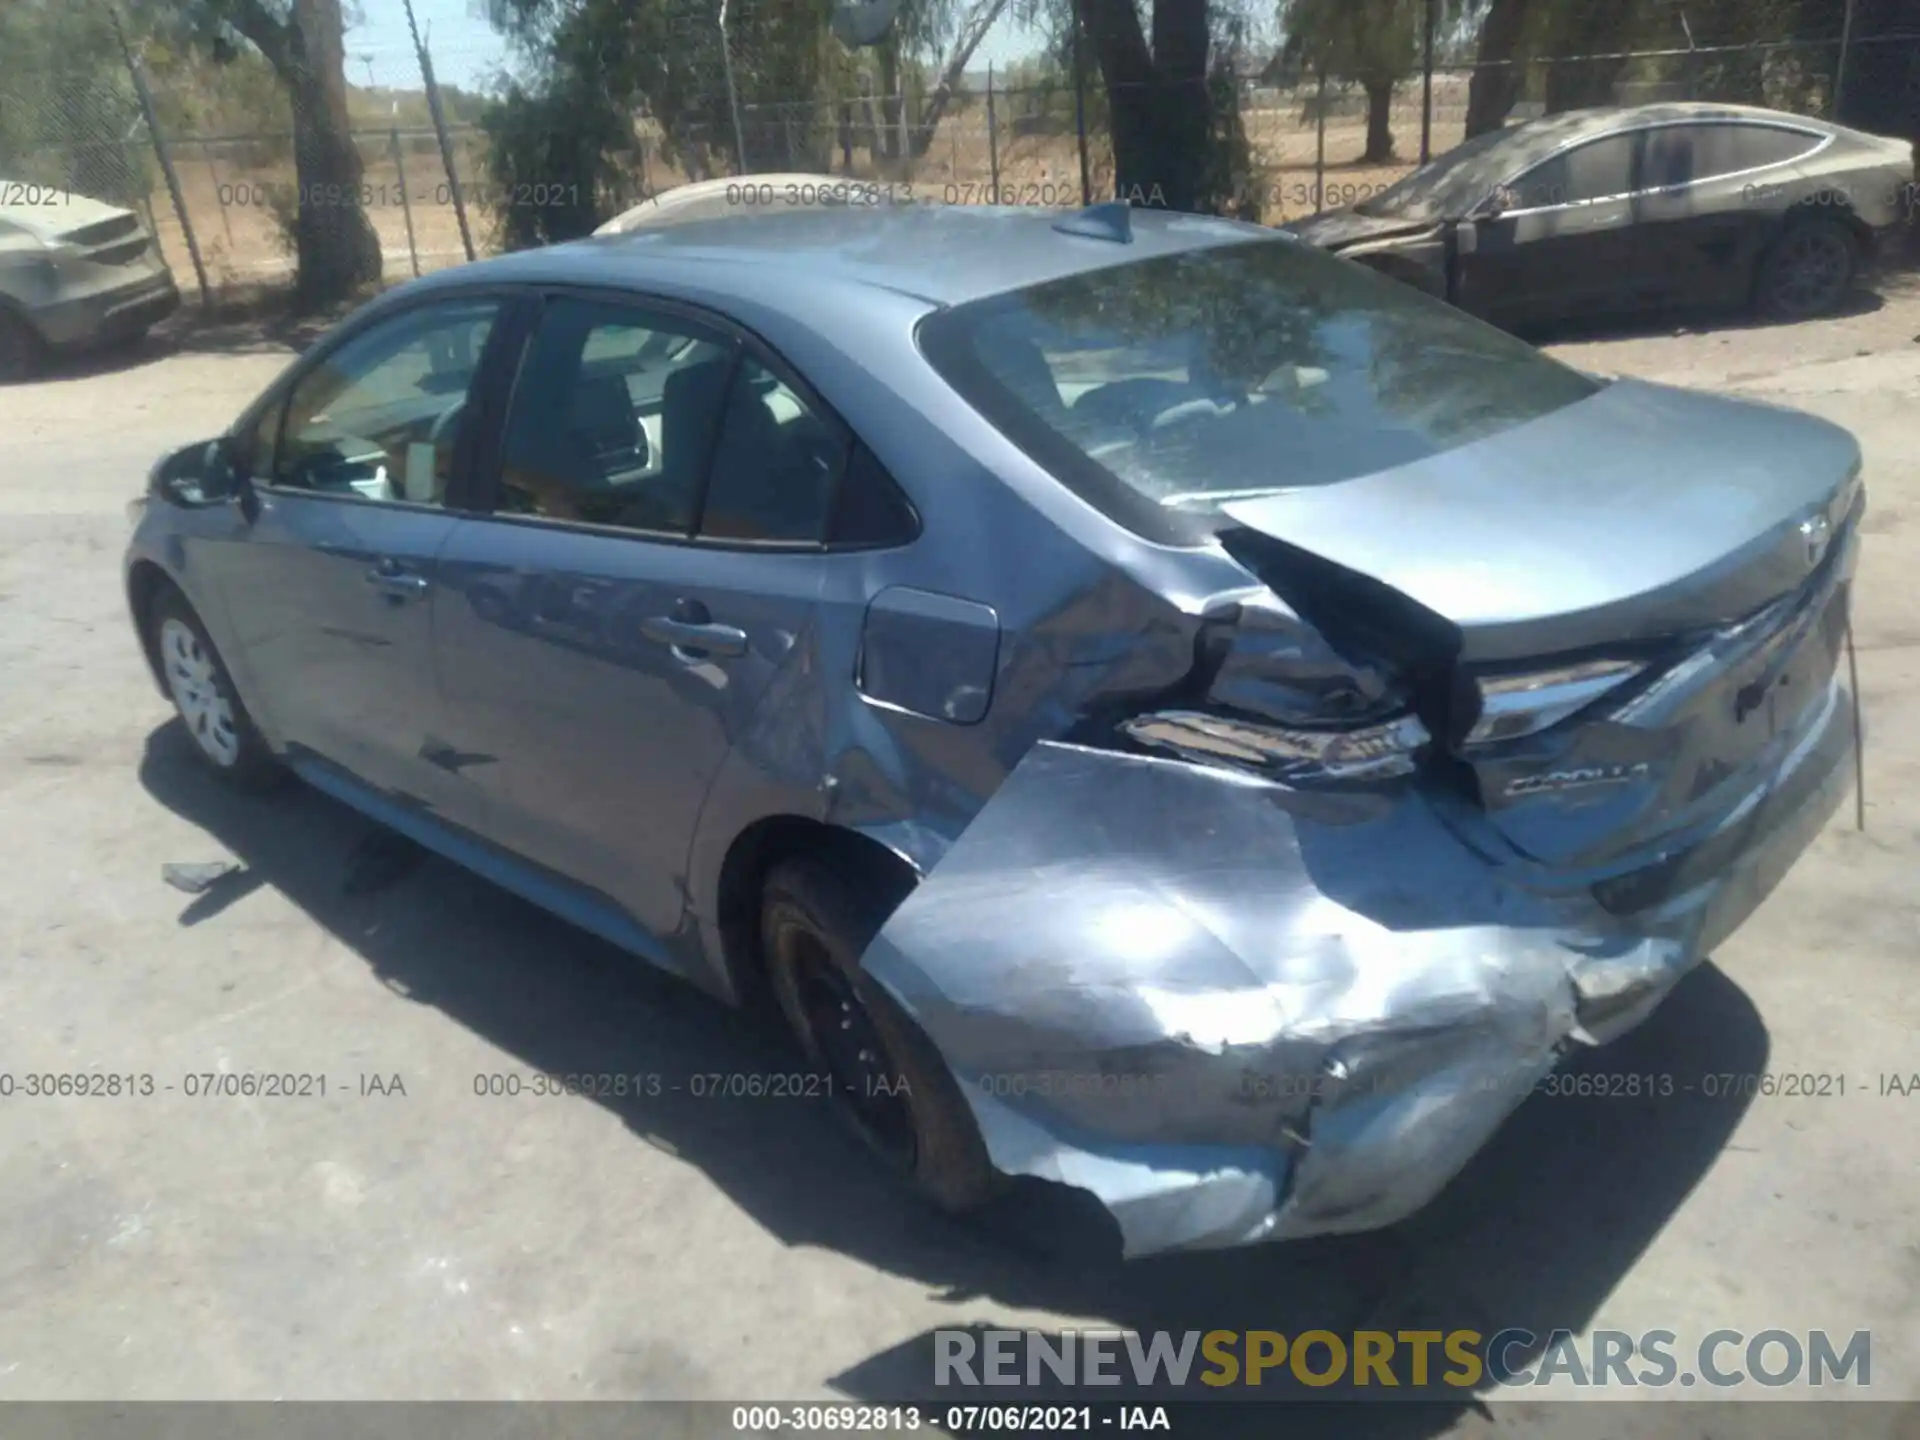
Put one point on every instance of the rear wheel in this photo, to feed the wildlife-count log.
(20, 349)
(1808, 269)
(223, 733)
(887, 1078)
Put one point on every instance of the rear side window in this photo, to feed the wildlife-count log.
(1185, 381)
(870, 509)
(1690, 154)
(775, 467)
(1594, 171)
(614, 416)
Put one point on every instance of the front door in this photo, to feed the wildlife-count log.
(1558, 244)
(651, 566)
(332, 586)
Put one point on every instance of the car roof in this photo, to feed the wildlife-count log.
(736, 194)
(1542, 136)
(942, 254)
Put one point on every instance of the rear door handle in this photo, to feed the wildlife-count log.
(702, 638)
(397, 583)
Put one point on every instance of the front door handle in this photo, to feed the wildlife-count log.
(701, 638)
(397, 583)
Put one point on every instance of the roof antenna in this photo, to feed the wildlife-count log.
(1111, 220)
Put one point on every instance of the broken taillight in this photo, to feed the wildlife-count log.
(1379, 751)
(1516, 705)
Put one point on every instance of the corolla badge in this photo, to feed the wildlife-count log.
(1816, 532)
(1555, 781)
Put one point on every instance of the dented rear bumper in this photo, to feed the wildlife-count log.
(1236, 1011)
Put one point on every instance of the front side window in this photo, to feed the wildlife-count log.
(1189, 380)
(614, 417)
(379, 417)
(1598, 170)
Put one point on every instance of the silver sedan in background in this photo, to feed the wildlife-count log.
(75, 274)
(1598, 213)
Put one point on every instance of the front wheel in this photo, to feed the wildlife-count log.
(1808, 269)
(223, 733)
(887, 1078)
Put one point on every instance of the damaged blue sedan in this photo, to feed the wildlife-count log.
(1159, 708)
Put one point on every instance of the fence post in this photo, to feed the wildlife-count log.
(1840, 67)
(406, 201)
(1080, 110)
(1320, 142)
(213, 170)
(1426, 87)
(993, 141)
(440, 131)
(166, 161)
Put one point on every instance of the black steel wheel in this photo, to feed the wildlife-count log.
(888, 1081)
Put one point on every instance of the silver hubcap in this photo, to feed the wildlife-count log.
(1812, 269)
(197, 693)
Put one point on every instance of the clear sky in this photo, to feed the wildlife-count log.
(467, 50)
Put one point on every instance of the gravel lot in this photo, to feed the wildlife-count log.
(435, 1244)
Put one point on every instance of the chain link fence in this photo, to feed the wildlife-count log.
(1313, 142)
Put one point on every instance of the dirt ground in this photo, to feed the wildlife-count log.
(440, 1244)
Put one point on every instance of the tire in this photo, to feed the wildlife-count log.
(1808, 270)
(21, 352)
(901, 1099)
(225, 739)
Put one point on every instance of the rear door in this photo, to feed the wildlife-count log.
(650, 566)
(1561, 243)
(1709, 202)
(332, 585)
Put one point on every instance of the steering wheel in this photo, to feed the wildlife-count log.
(444, 423)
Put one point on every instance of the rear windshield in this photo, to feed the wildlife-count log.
(1185, 381)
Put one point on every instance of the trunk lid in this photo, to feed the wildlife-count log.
(1633, 515)
(1651, 582)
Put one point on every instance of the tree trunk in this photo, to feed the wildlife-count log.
(889, 147)
(1379, 122)
(1500, 72)
(1160, 110)
(336, 247)
(974, 27)
(1577, 82)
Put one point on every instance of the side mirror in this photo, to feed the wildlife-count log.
(202, 473)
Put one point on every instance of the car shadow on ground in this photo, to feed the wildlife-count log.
(1535, 1234)
(1654, 324)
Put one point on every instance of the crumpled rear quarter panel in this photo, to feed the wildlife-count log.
(1237, 1011)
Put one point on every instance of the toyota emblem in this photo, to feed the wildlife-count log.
(1816, 532)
